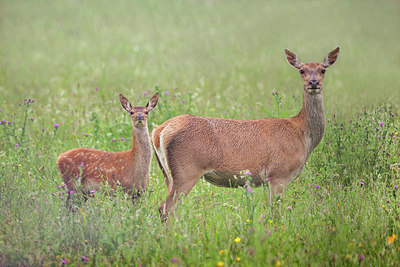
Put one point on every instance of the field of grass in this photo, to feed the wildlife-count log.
(63, 63)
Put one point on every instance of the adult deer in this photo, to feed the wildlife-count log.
(130, 169)
(189, 147)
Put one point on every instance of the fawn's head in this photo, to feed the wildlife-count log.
(312, 73)
(139, 114)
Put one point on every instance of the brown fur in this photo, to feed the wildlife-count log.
(189, 147)
(130, 169)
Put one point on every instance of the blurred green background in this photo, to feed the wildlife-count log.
(224, 52)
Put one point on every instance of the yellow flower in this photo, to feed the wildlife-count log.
(359, 245)
(391, 239)
(247, 220)
(237, 239)
(383, 206)
(374, 243)
(278, 263)
(220, 264)
(221, 251)
(238, 259)
(271, 221)
(396, 133)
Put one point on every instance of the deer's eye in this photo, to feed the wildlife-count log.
(131, 112)
(323, 71)
(301, 71)
(146, 112)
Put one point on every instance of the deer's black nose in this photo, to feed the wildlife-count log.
(313, 82)
(140, 118)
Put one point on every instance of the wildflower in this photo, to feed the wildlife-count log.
(220, 264)
(174, 260)
(166, 93)
(383, 150)
(289, 208)
(146, 93)
(92, 191)
(33, 100)
(17, 145)
(383, 206)
(392, 114)
(71, 192)
(271, 221)
(8, 122)
(221, 251)
(84, 258)
(247, 220)
(391, 239)
(248, 173)
(237, 240)
(64, 262)
(237, 259)
(42, 129)
(113, 140)
(359, 245)
(123, 139)
(361, 183)
(278, 264)
(52, 194)
(396, 133)
(32, 119)
(82, 163)
(56, 125)
(248, 189)
(96, 89)
(395, 186)
(182, 101)
(317, 186)
(381, 123)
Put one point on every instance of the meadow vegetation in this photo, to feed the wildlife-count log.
(64, 63)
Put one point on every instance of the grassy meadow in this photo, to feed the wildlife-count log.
(63, 64)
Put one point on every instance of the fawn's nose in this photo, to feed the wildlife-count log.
(140, 118)
(313, 83)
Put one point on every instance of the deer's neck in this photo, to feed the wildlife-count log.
(142, 156)
(313, 119)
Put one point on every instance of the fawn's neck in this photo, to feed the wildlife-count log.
(313, 119)
(141, 142)
(141, 151)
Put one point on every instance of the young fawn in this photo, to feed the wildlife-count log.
(130, 169)
(189, 147)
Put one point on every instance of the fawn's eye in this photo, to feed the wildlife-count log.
(131, 112)
(301, 71)
(146, 112)
(323, 71)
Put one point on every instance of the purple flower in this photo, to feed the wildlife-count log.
(115, 200)
(317, 186)
(52, 194)
(110, 198)
(92, 191)
(82, 163)
(167, 93)
(57, 186)
(17, 145)
(33, 100)
(83, 257)
(182, 101)
(174, 260)
(269, 178)
(248, 189)
(71, 192)
(113, 140)
(146, 93)
(248, 173)
(64, 262)
(395, 186)
(381, 123)
(361, 183)
(87, 135)
(383, 150)
(32, 119)
(8, 122)
(63, 186)
(56, 125)
(42, 129)
(123, 139)
(392, 114)
(96, 89)
(289, 208)
(361, 258)
(350, 120)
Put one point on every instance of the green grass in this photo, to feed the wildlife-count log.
(224, 59)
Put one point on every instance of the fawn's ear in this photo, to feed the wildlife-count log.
(152, 102)
(125, 103)
(330, 58)
(293, 59)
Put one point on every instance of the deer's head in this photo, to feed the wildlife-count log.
(139, 114)
(312, 73)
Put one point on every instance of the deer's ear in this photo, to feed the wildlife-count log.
(293, 59)
(125, 103)
(152, 102)
(331, 58)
